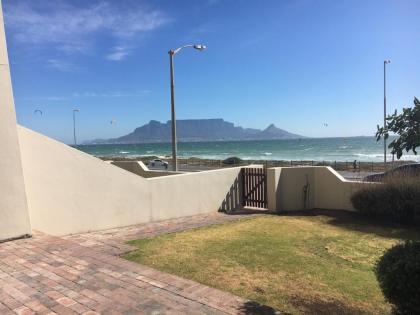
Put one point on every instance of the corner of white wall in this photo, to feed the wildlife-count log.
(14, 216)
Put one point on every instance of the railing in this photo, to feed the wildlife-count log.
(360, 166)
(197, 164)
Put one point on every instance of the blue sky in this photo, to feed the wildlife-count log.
(297, 64)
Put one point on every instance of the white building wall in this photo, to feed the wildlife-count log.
(14, 219)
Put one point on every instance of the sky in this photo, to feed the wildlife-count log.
(299, 64)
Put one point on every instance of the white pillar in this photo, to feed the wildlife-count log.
(14, 216)
(273, 176)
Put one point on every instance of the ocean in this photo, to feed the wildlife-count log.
(317, 149)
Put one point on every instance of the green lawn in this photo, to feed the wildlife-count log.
(299, 264)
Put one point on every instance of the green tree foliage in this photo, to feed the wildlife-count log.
(407, 126)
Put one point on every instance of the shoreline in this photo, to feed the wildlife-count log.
(195, 163)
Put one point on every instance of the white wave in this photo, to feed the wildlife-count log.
(379, 157)
(124, 152)
(410, 157)
(372, 155)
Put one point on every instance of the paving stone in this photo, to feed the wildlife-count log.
(83, 274)
(37, 306)
(23, 310)
(65, 301)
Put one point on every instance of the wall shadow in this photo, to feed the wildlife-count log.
(233, 202)
(354, 221)
(233, 199)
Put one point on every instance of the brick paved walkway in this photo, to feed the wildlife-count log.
(83, 274)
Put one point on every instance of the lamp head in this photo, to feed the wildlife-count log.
(200, 47)
(387, 61)
(76, 110)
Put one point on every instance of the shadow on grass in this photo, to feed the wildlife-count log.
(245, 211)
(318, 306)
(254, 308)
(315, 306)
(354, 221)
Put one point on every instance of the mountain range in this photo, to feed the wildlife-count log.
(191, 130)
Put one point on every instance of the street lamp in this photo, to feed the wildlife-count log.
(172, 53)
(385, 127)
(38, 111)
(74, 125)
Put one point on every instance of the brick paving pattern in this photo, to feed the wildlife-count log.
(83, 274)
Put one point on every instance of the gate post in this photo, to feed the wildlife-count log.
(273, 190)
(242, 193)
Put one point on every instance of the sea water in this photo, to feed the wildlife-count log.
(317, 149)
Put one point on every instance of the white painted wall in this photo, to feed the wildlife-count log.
(138, 168)
(195, 193)
(14, 218)
(333, 191)
(328, 189)
(70, 191)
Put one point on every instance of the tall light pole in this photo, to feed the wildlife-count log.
(385, 126)
(74, 125)
(36, 111)
(172, 53)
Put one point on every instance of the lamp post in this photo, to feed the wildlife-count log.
(385, 127)
(74, 125)
(172, 53)
(38, 111)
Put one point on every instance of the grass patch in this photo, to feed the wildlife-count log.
(297, 264)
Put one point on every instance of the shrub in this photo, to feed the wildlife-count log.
(396, 200)
(398, 274)
(232, 160)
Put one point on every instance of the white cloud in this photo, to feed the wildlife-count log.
(70, 29)
(111, 95)
(119, 53)
(87, 94)
(61, 65)
(44, 98)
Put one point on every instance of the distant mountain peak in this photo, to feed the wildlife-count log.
(270, 127)
(215, 129)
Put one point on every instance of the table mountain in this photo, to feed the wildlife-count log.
(191, 130)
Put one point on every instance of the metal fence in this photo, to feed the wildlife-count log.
(359, 166)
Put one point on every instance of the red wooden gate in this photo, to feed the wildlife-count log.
(254, 187)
